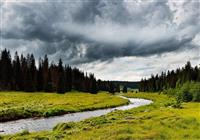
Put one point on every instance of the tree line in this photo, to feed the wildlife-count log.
(170, 79)
(21, 74)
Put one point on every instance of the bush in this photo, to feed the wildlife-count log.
(169, 91)
(195, 90)
(187, 96)
(189, 91)
(177, 103)
(196, 97)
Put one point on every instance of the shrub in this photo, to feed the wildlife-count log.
(195, 90)
(177, 103)
(187, 96)
(196, 97)
(189, 91)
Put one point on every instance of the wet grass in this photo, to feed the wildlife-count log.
(155, 121)
(17, 105)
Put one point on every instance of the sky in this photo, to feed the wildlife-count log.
(114, 39)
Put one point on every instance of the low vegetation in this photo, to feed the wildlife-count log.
(17, 105)
(189, 91)
(156, 121)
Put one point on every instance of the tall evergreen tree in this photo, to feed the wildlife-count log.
(68, 78)
(171, 79)
(30, 75)
(17, 75)
(22, 74)
(40, 76)
(33, 72)
(45, 68)
(61, 80)
(93, 84)
(6, 73)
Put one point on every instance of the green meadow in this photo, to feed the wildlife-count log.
(17, 105)
(158, 120)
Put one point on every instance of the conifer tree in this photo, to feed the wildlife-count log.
(61, 84)
(16, 72)
(6, 70)
(23, 75)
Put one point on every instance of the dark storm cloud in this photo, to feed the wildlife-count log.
(107, 52)
(33, 21)
(87, 12)
(86, 31)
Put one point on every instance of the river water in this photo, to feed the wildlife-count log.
(39, 124)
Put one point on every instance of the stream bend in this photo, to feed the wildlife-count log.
(34, 125)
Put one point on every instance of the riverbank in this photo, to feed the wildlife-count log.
(156, 121)
(19, 105)
(41, 124)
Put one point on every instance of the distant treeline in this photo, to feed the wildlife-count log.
(21, 74)
(171, 79)
(128, 84)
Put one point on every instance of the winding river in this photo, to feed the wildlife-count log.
(39, 124)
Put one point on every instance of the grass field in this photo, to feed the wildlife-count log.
(156, 121)
(16, 105)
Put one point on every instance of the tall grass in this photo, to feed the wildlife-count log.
(17, 105)
(155, 121)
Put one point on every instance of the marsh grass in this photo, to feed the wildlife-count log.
(17, 105)
(156, 121)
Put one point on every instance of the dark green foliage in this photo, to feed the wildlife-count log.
(124, 89)
(6, 73)
(17, 73)
(196, 97)
(61, 78)
(171, 79)
(128, 84)
(177, 103)
(183, 83)
(45, 73)
(111, 88)
(190, 91)
(185, 96)
(21, 74)
(93, 84)
(68, 78)
(117, 88)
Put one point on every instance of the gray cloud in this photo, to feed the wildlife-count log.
(87, 31)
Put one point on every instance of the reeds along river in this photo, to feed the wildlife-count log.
(34, 125)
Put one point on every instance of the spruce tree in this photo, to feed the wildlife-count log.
(93, 88)
(68, 78)
(45, 68)
(6, 70)
(61, 80)
(17, 72)
(40, 76)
